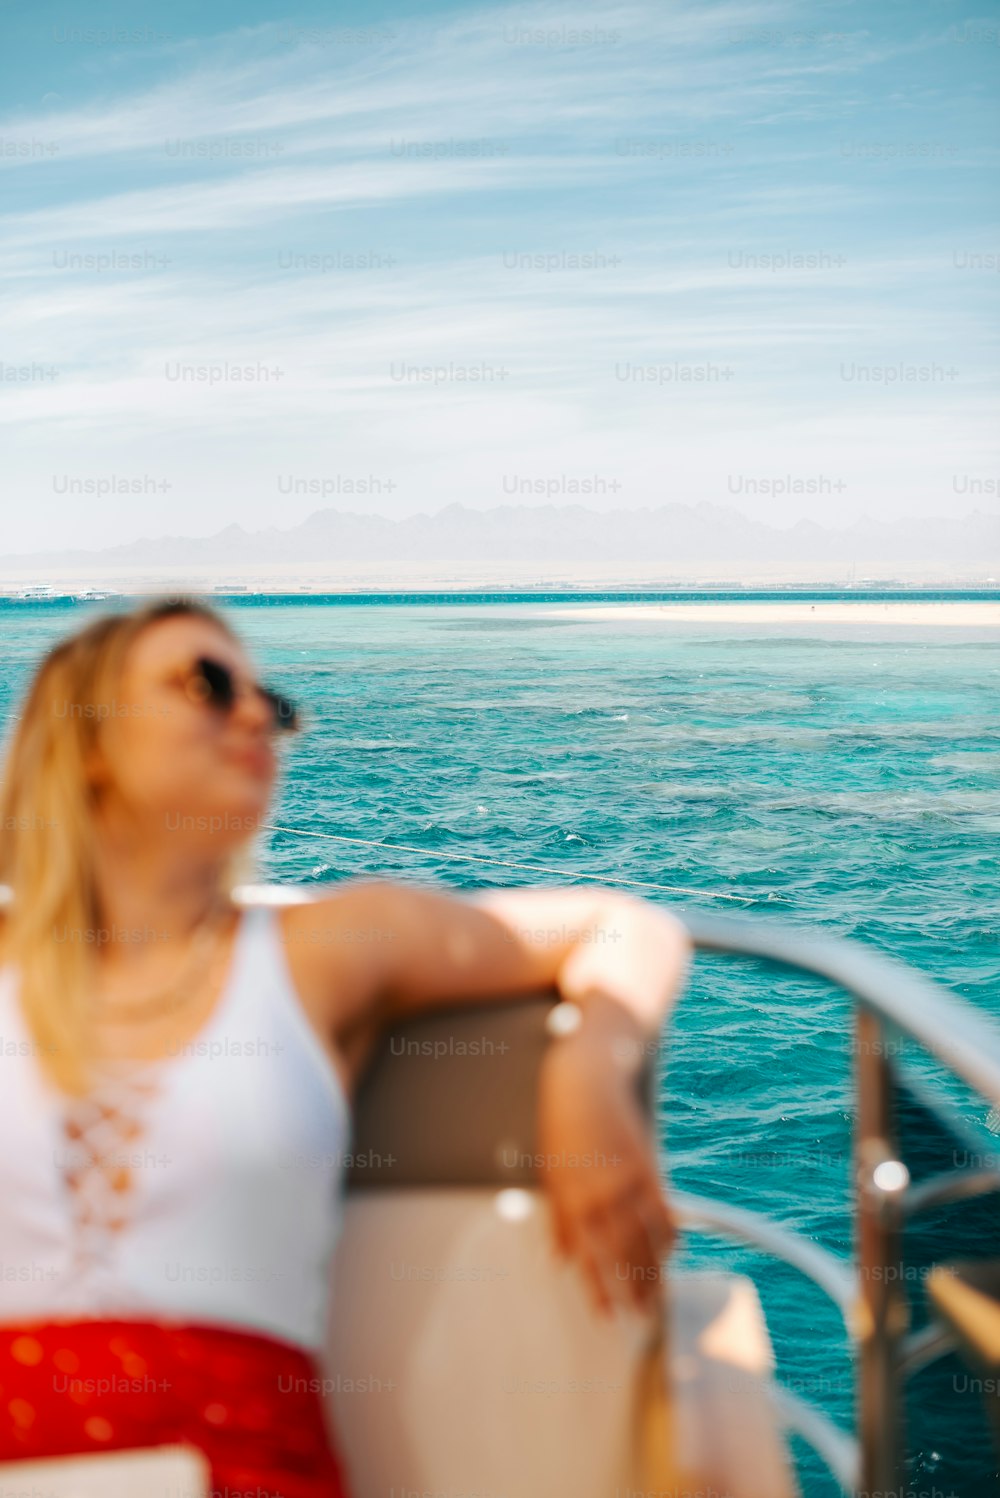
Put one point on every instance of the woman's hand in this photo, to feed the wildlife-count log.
(599, 1164)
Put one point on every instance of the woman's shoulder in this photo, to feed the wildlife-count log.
(338, 942)
(339, 915)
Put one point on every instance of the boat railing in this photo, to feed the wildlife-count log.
(890, 1000)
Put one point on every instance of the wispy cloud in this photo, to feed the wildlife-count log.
(538, 203)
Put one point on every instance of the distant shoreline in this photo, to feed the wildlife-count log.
(909, 605)
(977, 614)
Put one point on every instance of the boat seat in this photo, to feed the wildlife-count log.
(463, 1356)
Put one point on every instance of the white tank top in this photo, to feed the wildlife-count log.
(234, 1149)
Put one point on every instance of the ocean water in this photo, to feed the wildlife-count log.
(845, 779)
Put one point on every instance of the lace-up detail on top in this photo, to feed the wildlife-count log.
(102, 1135)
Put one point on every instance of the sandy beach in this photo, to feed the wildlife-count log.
(946, 614)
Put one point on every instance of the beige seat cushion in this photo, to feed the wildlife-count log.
(464, 1358)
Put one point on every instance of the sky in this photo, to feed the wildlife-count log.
(391, 257)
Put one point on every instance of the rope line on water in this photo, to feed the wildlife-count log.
(498, 863)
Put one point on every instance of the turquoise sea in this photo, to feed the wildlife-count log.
(842, 778)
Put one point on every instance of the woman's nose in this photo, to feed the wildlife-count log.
(252, 708)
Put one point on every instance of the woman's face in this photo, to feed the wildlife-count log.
(178, 768)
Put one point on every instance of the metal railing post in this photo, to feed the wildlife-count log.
(881, 1180)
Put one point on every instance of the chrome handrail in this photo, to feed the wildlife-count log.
(947, 1026)
(950, 1186)
(832, 1274)
(924, 1347)
(802, 1418)
(888, 996)
(827, 1271)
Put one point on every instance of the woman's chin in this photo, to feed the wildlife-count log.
(234, 821)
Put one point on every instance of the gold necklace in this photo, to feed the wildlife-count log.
(163, 1000)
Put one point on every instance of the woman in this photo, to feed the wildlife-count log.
(168, 1062)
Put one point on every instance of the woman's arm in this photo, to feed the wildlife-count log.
(420, 949)
(623, 968)
(621, 960)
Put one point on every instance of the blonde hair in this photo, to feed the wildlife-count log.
(47, 831)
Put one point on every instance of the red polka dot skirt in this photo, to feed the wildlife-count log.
(251, 1404)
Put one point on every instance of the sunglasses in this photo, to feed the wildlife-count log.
(214, 683)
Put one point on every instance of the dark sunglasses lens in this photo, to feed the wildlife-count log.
(286, 714)
(218, 679)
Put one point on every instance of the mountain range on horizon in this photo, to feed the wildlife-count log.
(667, 534)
